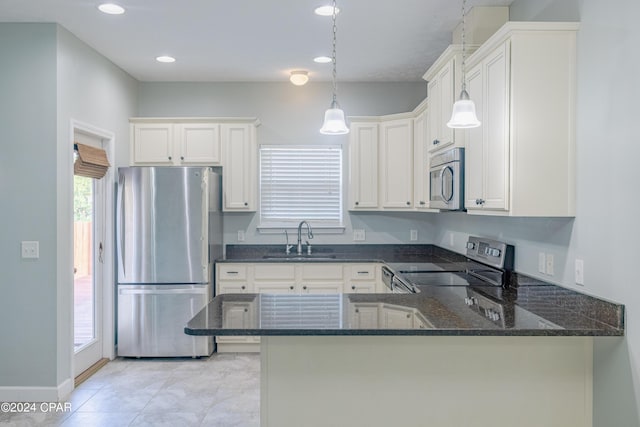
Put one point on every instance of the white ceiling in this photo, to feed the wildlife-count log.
(257, 40)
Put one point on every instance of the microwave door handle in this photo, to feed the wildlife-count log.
(444, 199)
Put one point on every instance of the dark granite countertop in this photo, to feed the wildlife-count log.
(528, 307)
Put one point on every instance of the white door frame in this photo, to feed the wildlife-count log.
(107, 269)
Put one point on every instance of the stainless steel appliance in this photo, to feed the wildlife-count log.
(446, 180)
(168, 231)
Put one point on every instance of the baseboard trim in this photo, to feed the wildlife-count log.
(90, 371)
(37, 394)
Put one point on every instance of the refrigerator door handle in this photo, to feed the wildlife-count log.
(201, 291)
(120, 220)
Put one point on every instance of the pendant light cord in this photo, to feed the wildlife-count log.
(464, 50)
(335, 30)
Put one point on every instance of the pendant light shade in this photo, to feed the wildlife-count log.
(334, 123)
(464, 113)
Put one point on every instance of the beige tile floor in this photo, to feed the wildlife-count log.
(222, 390)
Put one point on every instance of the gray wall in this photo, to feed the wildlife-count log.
(605, 232)
(48, 78)
(28, 193)
(293, 115)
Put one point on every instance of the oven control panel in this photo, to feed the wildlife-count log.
(491, 252)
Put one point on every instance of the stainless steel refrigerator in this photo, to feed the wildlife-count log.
(168, 231)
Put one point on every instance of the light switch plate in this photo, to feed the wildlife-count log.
(413, 235)
(30, 249)
(240, 235)
(542, 262)
(550, 264)
(579, 276)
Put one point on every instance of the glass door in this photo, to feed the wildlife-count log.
(87, 272)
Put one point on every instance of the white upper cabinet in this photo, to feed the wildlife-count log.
(421, 157)
(444, 77)
(363, 171)
(396, 163)
(521, 161)
(165, 142)
(240, 167)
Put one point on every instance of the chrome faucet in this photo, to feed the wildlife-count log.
(309, 235)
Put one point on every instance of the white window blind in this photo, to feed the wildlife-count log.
(300, 183)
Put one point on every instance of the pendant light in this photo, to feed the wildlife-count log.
(334, 123)
(464, 110)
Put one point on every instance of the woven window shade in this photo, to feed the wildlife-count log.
(91, 162)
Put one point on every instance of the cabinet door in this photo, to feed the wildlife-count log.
(397, 163)
(360, 288)
(421, 160)
(396, 317)
(152, 143)
(364, 316)
(199, 143)
(496, 124)
(363, 162)
(275, 288)
(435, 115)
(328, 287)
(240, 167)
(446, 77)
(474, 145)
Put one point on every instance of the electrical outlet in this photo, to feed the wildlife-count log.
(30, 249)
(542, 268)
(579, 272)
(413, 235)
(550, 264)
(241, 236)
(358, 235)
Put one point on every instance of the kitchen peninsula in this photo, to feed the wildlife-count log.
(428, 358)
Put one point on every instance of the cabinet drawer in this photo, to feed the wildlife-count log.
(274, 271)
(363, 272)
(232, 272)
(322, 271)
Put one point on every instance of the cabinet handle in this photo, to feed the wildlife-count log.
(246, 203)
(232, 272)
(246, 310)
(291, 287)
(243, 287)
(353, 287)
(479, 201)
(357, 310)
(363, 272)
(181, 157)
(408, 203)
(357, 203)
(422, 202)
(169, 157)
(304, 287)
(436, 142)
(408, 316)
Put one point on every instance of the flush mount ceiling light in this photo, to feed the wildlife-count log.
(334, 123)
(326, 10)
(166, 59)
(322, 59)
(299, 77)
(111, 9)
(464, 110)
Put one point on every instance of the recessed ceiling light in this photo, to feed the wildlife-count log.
(111, 9)
(322, 59)
(326, 10)
(166, 59)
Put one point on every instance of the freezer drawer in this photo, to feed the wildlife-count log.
(151, 320)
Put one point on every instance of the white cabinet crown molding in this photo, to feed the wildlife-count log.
(248, 120)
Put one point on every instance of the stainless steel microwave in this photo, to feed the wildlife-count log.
(446, 180)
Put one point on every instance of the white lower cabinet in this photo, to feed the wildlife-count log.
(364, 316)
